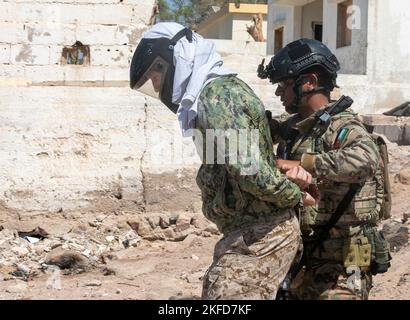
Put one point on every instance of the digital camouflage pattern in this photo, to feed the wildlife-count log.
(253, 211)
(232, 199)
(336, 155)
(250, 263)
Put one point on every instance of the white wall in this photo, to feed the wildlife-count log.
(388, 43)
(232, 27)
(221, 29)
(239, 23)
(296, 17)
(311, 12)
(70, 134)
(352, 58)
(279, 16)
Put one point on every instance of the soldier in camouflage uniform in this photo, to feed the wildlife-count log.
(338, 152)
(254, 210)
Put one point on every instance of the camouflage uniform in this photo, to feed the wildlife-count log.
(337, 155)
(254, 212)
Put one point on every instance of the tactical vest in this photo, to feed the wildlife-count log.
(365, 206)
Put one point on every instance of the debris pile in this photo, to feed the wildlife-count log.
(89, 245)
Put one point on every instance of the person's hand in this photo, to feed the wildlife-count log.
(299, 176)
(307, 199)
(285, 165)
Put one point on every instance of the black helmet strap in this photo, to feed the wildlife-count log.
(299, 93)
(166, 94)
(182, 33)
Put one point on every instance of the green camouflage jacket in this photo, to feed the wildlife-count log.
(249, 190)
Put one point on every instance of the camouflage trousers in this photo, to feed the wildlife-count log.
(250, 263)
(328, 280)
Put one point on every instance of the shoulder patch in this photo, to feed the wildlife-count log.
(340, 137)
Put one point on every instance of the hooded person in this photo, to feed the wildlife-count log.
(246, 196)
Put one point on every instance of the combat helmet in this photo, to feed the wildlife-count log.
(300, 57)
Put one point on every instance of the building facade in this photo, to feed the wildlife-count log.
(369, 37)
(230, 22)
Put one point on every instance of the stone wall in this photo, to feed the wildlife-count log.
(69, 133)
(73, 136)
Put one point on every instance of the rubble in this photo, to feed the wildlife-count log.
(164, 222)
(86, 245)
(19, 287)
(396, 234)
(38, 232)
(66, 259)
(404, 174)
(100, 218)
(175, 227)
(212, 228)
(91, 283)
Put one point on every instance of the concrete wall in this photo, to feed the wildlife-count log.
(311, 12)
(220, 29)
(352, 58)
(297, 16)
(381, 50)
(239, 23)
(288, 15)
(69, 134)
(379, 54)
(388, 45)
(231, 27)
(369, 98)
(72, 136)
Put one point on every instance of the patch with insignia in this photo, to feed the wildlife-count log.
(340, 137)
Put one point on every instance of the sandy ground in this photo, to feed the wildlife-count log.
(160, 269)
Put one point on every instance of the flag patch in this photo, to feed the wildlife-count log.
(340, 137)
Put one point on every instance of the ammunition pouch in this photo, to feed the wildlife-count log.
(381, 257)
(357, 252)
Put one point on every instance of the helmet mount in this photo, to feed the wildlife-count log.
(298, 58)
